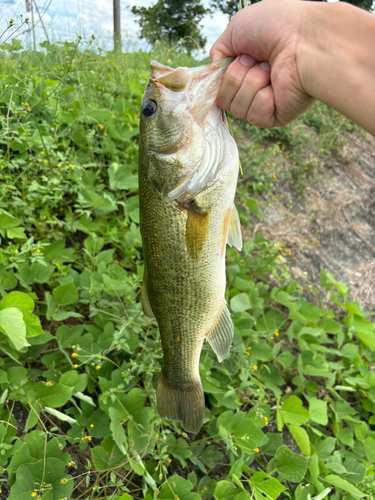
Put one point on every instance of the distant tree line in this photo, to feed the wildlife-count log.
(175, 21)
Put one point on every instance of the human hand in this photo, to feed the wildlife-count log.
(263, 83)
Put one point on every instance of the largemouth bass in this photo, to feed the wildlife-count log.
(188, 169)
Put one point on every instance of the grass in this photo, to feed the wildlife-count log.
(289, 414)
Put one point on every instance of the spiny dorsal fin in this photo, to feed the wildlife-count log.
(231, 230)
(146, 307)
(221, 335)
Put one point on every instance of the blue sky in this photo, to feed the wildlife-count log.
(64, 19)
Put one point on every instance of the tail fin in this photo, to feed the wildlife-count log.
(183, 405)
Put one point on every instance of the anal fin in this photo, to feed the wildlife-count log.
(146, 307)
(221, 335)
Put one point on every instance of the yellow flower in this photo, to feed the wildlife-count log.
(280, 249)
(33, 494)
(63, 480)
(277, 333)
(255, 367)
(97, 367)
(169, 460)
(58, 165)
(283, 149)
(88, 438)
(136, 117)
(29, 110)
(42, 153)
(11, 21)
(75, 366)
(70, 165)
(100, 126)
(26, 104)
(74, 354)
(289, 254)
(92, 425)
(249, 348)
(45, 161)
(38, 251)
(290, 201)
(26, 19)
(265, 419)
(256, 450)
(274, 176)
(160, 43)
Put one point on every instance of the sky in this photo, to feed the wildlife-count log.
(65, 19)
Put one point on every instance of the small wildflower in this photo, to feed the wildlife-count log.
(262, 149)
(249, 348)
(26, 19)
(97, 367)
(274, 176)
(45, 161)
(88, 438)
(267, 164)
(169, 460)
(42, 153)
(290, 201)
(280, 249)
(256, 450)
(70, 165)
(136, 117)
(92, 425)
(160, 477)
(74, 354)
(58, 165)
(277, 256)
(75, 366)
(29, 110)
(33, 494)
(165, 451)
(11, 21)
(255, 367)
(279, 142)
(265, 420)
(248, 354)
(79, 37)
(92, 37)
(283, 149)
(160, 43)
(276, 333)
(37, 250)
(26, 104)
(100, 126)
(22, 103)
(69, 464)
(157, 491)
(289, 254)
(63, 480)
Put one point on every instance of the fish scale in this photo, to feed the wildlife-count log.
(184, 238)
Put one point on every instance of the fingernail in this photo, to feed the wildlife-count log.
(265, 65)
(247, 60)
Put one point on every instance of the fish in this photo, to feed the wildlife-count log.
(188, 170)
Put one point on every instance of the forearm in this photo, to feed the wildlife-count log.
(336, 59)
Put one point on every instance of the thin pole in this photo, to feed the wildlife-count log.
(32, 22)
(116, 26)
(41, 20)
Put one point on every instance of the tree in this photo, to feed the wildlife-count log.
(171, 21)
(230, 7)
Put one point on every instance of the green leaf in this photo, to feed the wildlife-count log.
(343, 484)
(301, 438)
(318, 411)
(54, 395)
(248, 436)
(240, 302)
(290, 466)
(23, 486)
(13, 326)
(293, 412)
(61, 416)
(269, 486)
(19, 300)
(66, 294)
(369, 445)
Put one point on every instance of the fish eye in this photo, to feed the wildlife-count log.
(149, 107)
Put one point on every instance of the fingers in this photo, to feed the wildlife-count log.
(233, 79)
(255, 79)
(261, 112)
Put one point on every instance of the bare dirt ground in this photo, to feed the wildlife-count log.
(332, 225)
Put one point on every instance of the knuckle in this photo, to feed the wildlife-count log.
(233, 79)
(237, 110)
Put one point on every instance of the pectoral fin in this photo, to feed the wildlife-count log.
(146, 307)
(221, 335)
(197, 225)
(231, 230)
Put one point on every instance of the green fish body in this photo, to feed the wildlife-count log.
(188, 168)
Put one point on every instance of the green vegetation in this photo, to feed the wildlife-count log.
(291, 412)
